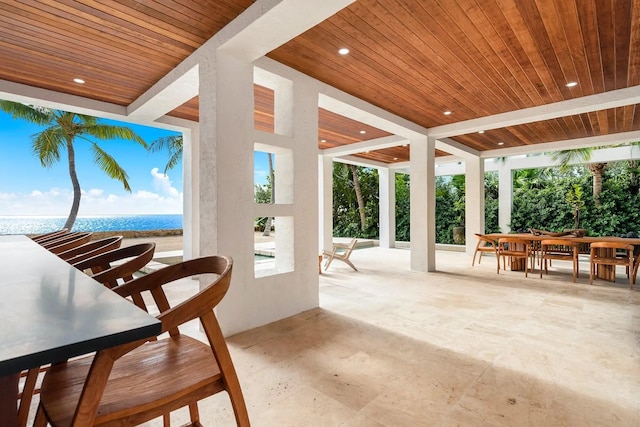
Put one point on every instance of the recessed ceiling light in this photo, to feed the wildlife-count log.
(405, 145)
(343, 51)
(446, 113)
(395, 158)
(500, 143)
(78, 80)
(572, 84)
(480, 131)
(323, 140)
(363, 132)
(367, 151)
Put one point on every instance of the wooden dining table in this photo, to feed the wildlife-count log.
(606, 272)
(50, 311)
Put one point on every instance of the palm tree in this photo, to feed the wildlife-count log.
(173, 145)
(62, 130)
(582, 155)
(356, 187)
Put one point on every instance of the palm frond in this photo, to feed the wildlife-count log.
(48, 144)
(110, 166)
(173, 145)
(31, 113)
(564, 158)
(106, 131)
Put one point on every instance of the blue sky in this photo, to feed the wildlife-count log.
(27, 188)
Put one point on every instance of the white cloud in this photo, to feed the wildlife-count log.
(162, 183)
(166, 199)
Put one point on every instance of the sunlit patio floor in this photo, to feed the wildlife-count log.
(459, 347)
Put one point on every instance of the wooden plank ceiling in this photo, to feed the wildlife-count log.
(414, 58)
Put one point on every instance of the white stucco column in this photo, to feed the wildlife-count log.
(325, 199)
(423, 204)
(387, 206)
(190, 199)
(474, 201)
(505, 196)
(226, 178)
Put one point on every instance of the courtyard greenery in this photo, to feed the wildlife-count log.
(554, 199)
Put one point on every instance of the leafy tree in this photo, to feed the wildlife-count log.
(63, 130)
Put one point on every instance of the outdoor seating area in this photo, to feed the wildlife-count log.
(601, 253)
(83, 360)
(450, 348)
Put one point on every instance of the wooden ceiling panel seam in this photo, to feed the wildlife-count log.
(130, 20)
(606, 33)
(456, 81)
(575, 40)
(490, 32)
(161, 22)
(30, 47)
(91, 34)
(358, 79)
(486, 38)
(634, 50)
(622, 35)
(115, 30)
(74, 69)
(561, 47)
(385, 70)
(588, 22)
(543, 40)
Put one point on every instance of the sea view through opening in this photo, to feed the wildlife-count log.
(95, 223)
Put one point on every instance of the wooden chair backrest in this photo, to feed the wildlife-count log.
(41, 238)
(91, 249)
(514, 240)
(612, 245)
(116, 266)
(72, 241)
(59, 240)
(201, 305)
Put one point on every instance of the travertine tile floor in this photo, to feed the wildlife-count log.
(458, 347)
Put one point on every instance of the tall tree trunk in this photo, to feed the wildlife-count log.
(75, 206)
(269, 224)
(356, 186)
(597, 170)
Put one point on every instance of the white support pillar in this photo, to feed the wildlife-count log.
(190, 201)
(474, 201)
(505, 196)
(423, 204)
(226, 178)
(325, 198)
(387, 200)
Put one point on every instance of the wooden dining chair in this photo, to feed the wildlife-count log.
(69, 241)
(560, 250)
(91, 249)
(515, 249)
(485, 244)
(39, 238)
(133, 383)
(110, 268)
(612, 254)
(341, 252)
(117, 266)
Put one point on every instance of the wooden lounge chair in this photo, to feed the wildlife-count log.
(136, 382)
(342, 252)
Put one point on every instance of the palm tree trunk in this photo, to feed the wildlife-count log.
(269, 224)
(597, 170)
(356, 187)
(75, 206)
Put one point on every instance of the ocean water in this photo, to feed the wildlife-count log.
(44, 224)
